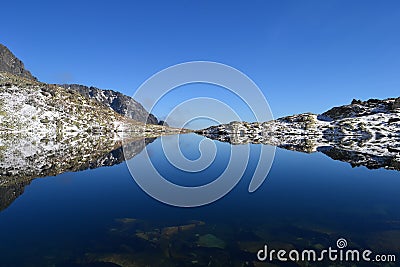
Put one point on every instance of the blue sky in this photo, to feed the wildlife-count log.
(304, 55)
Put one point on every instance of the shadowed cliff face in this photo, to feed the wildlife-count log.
(24, 158)
(117, 101)
(10, 63)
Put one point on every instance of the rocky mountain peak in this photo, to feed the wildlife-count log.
(359, 108)
(11, 64)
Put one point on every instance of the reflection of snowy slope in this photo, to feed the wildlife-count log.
(363, 133)
(46, 130)
(29, 156)
(24, 158)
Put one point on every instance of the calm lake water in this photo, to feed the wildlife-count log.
(101, 217)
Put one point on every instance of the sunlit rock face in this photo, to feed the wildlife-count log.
(26, 157)
(364, 133)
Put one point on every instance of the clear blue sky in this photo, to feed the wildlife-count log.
(304, 55)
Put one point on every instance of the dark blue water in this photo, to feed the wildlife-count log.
(307, 200)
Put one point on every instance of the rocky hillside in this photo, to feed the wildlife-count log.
(117, 101)
(372, 118)
(363, 133)
(359, 108)
(30, 106)
(11, 64)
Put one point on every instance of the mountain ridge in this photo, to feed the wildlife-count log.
(358, 118)
(115, 100)
(32, 107)
(120, 103)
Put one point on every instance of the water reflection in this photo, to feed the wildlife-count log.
(372, 152)
(24, 157)
(101, 217)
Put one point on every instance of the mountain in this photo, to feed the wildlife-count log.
(11, 64)
(363, 133)
(31, 107)
(117, 101)
(372, 118)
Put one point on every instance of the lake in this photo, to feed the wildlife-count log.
(101, 217)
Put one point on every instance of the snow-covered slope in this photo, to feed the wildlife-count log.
(116, 101)
(362, 133)
(30, 106)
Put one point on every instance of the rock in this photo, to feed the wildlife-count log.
(11, 64)
(396, 103)
(359, 108)
(126, 220)
(153, 236)
(113, 259)
(210, 241)
(167, 232)
(163, 123)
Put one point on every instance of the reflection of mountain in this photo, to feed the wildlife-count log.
(24, 158)
(355, 158)
(357, 151)
(9, 193)
(364, 133)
